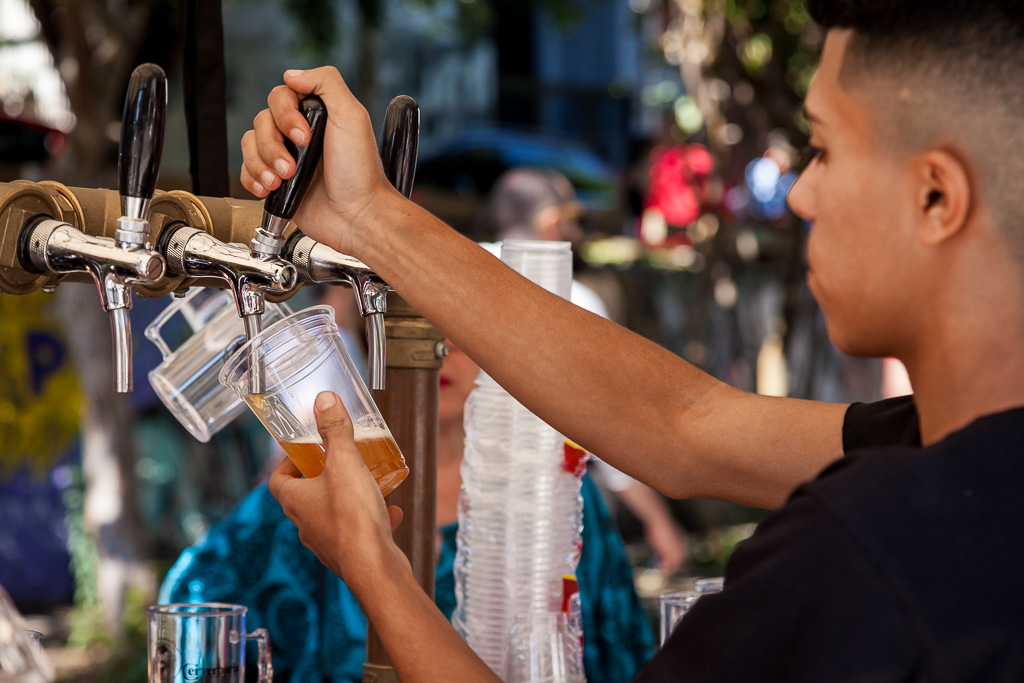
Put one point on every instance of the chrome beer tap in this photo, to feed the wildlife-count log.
(280, 205)
(195, 253)
(46, 245)
(318, 263)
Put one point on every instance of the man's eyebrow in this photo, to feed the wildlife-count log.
(810, 116)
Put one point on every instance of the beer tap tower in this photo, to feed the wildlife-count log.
(51, 233)
(49, 245)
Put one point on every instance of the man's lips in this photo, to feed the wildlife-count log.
(444, 381)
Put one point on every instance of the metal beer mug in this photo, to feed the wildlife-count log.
(186, 381)
(203, 642)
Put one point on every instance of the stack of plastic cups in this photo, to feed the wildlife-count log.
(520, 512)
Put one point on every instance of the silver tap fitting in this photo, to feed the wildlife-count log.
(195, 253)
(267, 240)
(318, 263)
(133, 225)
(51, 246)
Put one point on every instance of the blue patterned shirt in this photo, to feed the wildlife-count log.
(318, 633)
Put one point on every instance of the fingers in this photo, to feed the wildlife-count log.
(395, 516)
(332, 420)
(324, 81)
(285, 472)
(256, 176)
(283, 103)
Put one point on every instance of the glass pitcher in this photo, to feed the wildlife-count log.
(202, 643)
(186, 381)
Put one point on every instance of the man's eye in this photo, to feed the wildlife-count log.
(810, 154)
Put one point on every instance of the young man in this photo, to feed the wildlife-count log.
(900, 563)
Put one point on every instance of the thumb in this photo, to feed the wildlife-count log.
(325, 82)
(332, 420)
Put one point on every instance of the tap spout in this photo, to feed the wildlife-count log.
(316, 262)
(121, 333)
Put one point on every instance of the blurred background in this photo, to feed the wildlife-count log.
(677, 122)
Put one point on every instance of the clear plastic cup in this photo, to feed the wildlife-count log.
(297, 358)
(544, 649)
(712, 584)
(22, 659)
(546, 263)
(671, 608)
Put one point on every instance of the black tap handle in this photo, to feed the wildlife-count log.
(283, 201)
(142, 132)
(400, 141)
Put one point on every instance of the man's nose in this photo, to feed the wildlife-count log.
(801, 198)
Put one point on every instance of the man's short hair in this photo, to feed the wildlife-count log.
(943, 74)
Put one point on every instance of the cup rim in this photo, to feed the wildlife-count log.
(538, 246)
(216, 609)
(243, 350)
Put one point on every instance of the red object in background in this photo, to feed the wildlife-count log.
(679, 176)
(574, 459)
(570, 587)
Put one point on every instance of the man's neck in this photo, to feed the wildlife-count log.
(956, 383)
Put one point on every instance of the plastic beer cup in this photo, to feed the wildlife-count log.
(297, 358)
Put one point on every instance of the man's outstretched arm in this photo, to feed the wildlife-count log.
(640, 407)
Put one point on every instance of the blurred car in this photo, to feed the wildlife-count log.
(453, 182)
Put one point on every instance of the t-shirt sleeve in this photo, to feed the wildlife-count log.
(890, 422)
(802, 603)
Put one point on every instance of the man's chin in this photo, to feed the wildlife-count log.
(854, 345)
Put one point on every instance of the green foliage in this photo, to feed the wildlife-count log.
(86, 619)
(771, 46)
(318, 22)
(129, 659)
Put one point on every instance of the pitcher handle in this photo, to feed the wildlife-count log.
(264, 667)
(153, 329)
(193, 316)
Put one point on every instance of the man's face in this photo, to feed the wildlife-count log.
(854, 194)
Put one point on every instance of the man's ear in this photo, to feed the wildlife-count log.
(944, 196)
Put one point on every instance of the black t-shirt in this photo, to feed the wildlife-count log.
(898, 563)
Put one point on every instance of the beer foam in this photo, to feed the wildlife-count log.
(369, 432)
(360, 433)
(308, 438)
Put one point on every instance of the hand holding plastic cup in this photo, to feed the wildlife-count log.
(298, 357)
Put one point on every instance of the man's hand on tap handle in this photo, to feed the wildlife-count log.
(351, 181)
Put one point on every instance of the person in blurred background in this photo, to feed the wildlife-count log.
(254, 557)
(535, 203)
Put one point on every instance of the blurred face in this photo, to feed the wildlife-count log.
(857, 196)
(457, 379)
